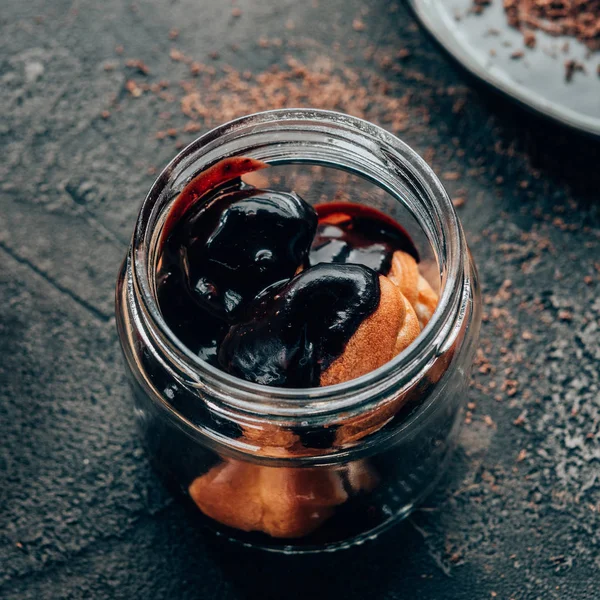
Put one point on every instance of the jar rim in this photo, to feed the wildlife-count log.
(300, 402)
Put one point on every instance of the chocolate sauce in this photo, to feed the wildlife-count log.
(205, 182)
(239, 242)
(295, 331)
(227, 283)
(199, 331)
(352, 233)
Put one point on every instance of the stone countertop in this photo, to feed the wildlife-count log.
(96, 98)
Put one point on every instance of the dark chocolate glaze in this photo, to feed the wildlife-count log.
(226, 280)
(351, 233)
(238, 243)
(199, 331)
(295, 331)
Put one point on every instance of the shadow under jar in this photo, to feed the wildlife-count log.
(312, 469)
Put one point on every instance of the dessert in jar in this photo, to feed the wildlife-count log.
(298, 313)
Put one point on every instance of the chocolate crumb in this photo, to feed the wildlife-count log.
(529, 39)
(177, 55)
(358, 25)
(321, 85)
(579, 19)
(451, 175)
(133, 88)
(459, 105)
(171, 132)
(196, 68)
(192, 127)
(572, 67)
(520, 420)
(136, 63)
(489, 421)
(479, 5)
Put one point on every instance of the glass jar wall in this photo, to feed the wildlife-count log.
(304, 470)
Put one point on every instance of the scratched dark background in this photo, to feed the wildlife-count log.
(84, 129)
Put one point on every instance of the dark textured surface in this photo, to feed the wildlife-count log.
(82, 514)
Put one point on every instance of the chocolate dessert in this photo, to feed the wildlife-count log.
(276, 292)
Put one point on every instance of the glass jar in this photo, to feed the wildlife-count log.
(305, 470)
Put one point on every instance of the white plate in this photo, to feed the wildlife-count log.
(484, 43)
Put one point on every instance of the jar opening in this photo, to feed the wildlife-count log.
(326, 140)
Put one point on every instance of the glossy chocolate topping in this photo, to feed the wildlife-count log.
(351, 233)
(295, 331)
(240, 242)
(234, 282)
